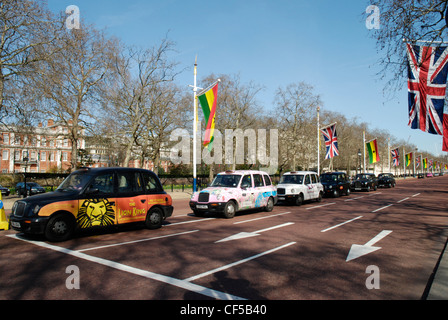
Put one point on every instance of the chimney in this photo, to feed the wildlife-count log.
(50, 122)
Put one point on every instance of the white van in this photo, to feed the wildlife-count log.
(299, 186)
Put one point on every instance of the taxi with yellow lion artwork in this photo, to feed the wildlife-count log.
(93, 198)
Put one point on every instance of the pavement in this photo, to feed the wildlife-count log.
(437, 288)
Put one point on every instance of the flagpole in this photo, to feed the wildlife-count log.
(388, 152)
(195, 124)
(364, 149)
(318, 142)
(404, 164)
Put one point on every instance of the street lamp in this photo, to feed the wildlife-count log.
(25, 159)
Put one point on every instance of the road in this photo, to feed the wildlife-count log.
(372, 246)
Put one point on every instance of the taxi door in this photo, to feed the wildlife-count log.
(131, 200)
(96, 206)
(309, 187)
(259, 190)
(247, 199)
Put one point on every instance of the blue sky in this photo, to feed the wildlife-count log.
(273, 43)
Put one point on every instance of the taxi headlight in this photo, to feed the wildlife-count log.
(36, 209)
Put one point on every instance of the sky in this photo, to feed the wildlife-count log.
(273, 43)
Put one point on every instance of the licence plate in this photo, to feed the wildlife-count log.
(15, 224)
(202, 206)
(357, 188)
(281, 198)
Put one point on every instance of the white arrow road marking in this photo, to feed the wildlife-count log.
(243, 235)
(357, 250)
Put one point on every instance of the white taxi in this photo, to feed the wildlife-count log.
(299, 186)
(233, 191)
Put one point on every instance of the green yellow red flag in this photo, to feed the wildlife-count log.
(372, 147)
(207, 99)
(408, 159)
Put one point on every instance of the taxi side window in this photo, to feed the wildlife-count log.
(151, 183)
(314, 178)
(267, 180)
(307, 179)
(103, 184)
(246, 182)
(258, 181)
(129, 182)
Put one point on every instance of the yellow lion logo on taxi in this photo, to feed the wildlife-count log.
(95, 212)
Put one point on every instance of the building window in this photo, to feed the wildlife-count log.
(17, 155)
(6, 138)
(64, 156)
(5, 155)
(43, 156)
(51, 156)
(43, 141)
(17, 140)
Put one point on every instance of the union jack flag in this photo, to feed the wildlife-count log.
(395, 157)
(418, 161)
(427, 75)
(331, 141)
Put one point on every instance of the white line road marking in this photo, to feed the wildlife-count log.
(382, 208)
(417, 194)
(341, 224)
(274, 215)
(322, 205)
(238, 262)
(243, 235)
(135, 241)
(146, 274)
(403, 200)
(351, 199)
(189, 221)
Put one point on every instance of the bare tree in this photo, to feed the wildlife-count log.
(411, 20)
(24, 26)
(68, 81)
(296, 108)
(134, 93)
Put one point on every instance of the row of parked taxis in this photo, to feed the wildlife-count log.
(92, 198)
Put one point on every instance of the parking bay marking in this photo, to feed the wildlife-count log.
(143, 273)
(243, 235)
(341, 224)
(238, 262)
(270, 216)
(135, 241)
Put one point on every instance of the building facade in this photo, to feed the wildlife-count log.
(48, 149)
(41, 149)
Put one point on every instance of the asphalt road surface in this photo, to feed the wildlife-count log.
(379, 245)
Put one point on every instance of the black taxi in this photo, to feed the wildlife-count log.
(91, 198)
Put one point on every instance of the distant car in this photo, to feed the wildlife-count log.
(335, 183)
(300, 186)
(32, 188)
(429, 175)
(421, 176)
(386, 180)
(235, 190)
(364, 181)
(5, 191)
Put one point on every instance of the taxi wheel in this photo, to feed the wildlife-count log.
(229, 210)
(59, 228)
(154, 218)
(270, 205)
(299, 200)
